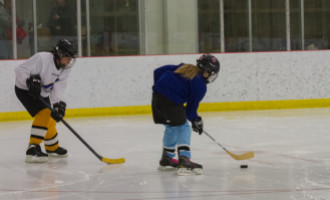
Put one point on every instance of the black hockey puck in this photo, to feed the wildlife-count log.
(244, 166)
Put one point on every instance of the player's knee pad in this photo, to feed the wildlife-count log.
(42, 118)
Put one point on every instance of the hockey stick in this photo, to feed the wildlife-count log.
(244, 156)
(103, 159)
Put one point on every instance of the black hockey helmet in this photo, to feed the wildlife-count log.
(210, 64)
(65, 48)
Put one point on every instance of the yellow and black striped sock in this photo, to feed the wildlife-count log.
(51, 139)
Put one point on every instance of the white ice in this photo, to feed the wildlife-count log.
(292, 159)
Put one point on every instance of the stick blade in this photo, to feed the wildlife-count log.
(113, 161)
(244, 156)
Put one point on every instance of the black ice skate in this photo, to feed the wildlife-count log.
(35, 155)
(167, 163)
(59, 152)
(186, 167)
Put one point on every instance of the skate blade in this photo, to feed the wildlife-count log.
(189, 172)
(57, 155)
(35, 159)
(165, 168)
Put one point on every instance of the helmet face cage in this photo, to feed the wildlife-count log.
(212, 78)
(72, 62)
(210, 64)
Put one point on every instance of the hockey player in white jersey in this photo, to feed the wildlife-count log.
(45, 74)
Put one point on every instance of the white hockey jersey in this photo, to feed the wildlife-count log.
(53, 81)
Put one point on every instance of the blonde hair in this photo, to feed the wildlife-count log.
(188, 71)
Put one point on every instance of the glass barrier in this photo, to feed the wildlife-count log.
(56, 19)
(6, 48)
(113, 27)
(316, 24)
(236, 26)
(138, 27)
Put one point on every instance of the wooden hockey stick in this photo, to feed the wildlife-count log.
(103, 159)
(244, 156)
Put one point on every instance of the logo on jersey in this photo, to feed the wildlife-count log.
(50, 86)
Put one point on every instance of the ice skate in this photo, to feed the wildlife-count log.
(59, 152)
(167, 163)
(35, 155)
(187, 168)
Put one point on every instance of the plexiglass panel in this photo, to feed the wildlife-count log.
(113, 27)
(6, 49)
(134, 27)
(209, 25)
(56, 19)
(268, 25)
(317, 24)
(236, 23)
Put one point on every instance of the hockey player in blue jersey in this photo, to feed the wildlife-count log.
(174, 86)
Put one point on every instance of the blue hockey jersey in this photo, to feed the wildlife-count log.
(179, 89)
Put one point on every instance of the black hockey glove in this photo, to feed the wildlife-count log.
(58, 111)
(197, 125)
(34, 85)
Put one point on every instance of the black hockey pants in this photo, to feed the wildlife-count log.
(165, 111)
(33, 107)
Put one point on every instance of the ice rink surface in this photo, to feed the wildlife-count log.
(292, 159)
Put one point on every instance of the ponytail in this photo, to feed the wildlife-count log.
(188, 71)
